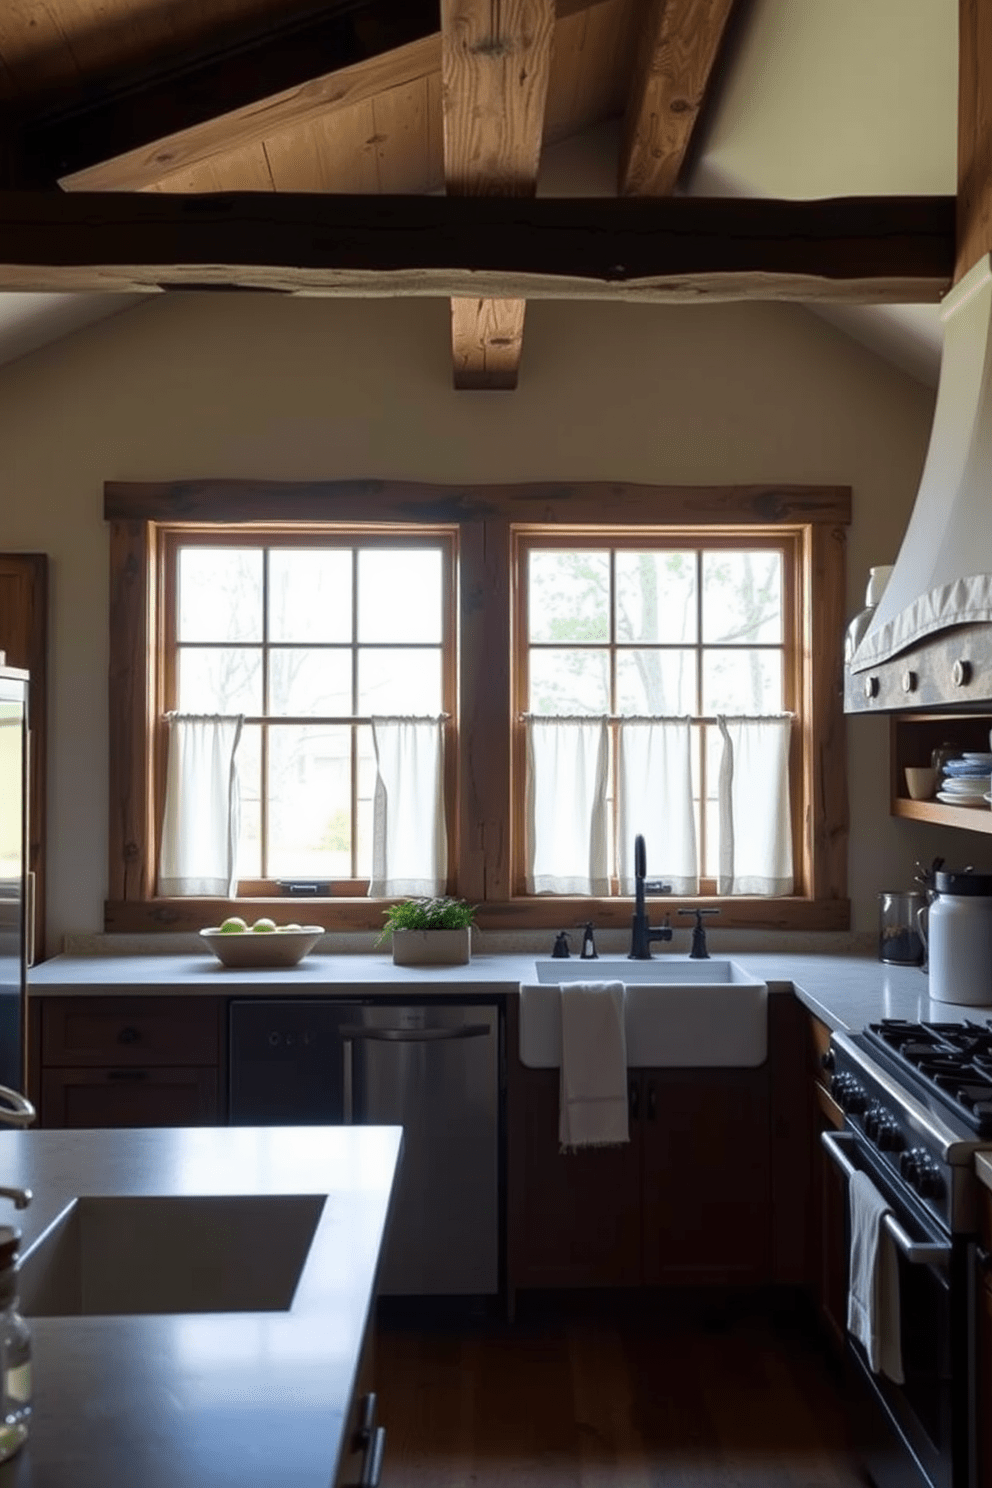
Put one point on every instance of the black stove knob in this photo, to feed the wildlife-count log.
(909, 1164)
(890, 1138)
(929, 1183)
(857, 1099)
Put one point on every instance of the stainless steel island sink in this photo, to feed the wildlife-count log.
(678, 1012)
(175, 1254)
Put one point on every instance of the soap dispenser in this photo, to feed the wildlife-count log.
(15, 1351)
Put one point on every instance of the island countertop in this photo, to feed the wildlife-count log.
(219, 1398)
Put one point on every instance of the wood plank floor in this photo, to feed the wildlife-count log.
(592, 1393)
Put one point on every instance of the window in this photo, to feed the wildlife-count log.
(656, 625)
(308, 636)
(687, 602)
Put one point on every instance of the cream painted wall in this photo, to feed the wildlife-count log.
(195, 386)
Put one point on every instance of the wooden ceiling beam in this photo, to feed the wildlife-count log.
(674, 250)
(495, 64)
(127, 134)
(974, 212)
(677, 52)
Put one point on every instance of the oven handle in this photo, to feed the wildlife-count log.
(917, 1253)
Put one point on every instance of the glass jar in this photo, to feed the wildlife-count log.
(899, 940)
(15, 1351)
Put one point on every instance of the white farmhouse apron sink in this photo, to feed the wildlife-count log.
(678, 1013)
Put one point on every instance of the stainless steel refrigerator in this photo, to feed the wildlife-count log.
(13, 874)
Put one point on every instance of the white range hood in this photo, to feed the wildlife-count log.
(942, 577)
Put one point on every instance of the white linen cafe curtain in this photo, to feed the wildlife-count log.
(755, 819)
(200, 824)
(655, 799)
(409, 835)
(566, 805)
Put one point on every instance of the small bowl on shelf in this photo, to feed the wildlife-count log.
(262, 949)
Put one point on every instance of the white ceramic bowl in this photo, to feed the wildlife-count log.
(261, 948)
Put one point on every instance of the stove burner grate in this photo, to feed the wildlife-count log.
(951, 1060)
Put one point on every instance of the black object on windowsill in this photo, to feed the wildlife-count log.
(561, 951)
(588, 951)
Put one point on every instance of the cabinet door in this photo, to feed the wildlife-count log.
(157, 1095)
(706, 1176)
(576, 1218)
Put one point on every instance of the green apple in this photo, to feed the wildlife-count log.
(233, 926)
(264, 925)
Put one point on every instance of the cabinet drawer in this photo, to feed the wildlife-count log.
(130, 1096)
(130, 1030)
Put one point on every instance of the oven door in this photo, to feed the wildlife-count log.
(915, 1434)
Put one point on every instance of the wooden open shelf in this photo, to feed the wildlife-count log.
(913, 738)
(971, 818)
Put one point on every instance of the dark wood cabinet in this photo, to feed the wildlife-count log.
(705, 1175)
(127, 1061)
(687, 1200)
(575, 1217)
(983, 1303)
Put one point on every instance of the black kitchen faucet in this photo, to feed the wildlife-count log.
(642, 933)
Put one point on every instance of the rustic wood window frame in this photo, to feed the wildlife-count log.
(485, 834)
(785, 540)
(172, 537)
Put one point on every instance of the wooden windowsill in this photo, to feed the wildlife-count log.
(350, 914)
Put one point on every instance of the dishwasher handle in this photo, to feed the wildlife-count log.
(917, 1253)
(356, 1034)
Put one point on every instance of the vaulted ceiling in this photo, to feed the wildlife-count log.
(323, 104)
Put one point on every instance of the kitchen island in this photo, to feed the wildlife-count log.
(208, 1398)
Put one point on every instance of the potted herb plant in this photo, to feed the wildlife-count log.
(429, 932)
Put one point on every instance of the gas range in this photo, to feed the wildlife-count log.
(920, 1094)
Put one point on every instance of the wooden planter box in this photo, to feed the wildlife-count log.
(432, 947)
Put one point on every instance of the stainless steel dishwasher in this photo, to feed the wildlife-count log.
(433, 1069)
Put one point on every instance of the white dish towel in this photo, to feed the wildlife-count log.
(593, 1100)
(873, 1298)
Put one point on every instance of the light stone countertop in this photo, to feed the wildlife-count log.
(212, 1399)
(846, 991)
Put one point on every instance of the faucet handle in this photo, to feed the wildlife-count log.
(15, 1108)
(699, 951)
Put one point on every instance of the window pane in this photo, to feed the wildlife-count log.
(568, 596)
(742, 598)
(219, 680)
(737, 681)
(399, 595)
(220, 594)
(656, 682)
(248, 762)
(310, 594)
(656, 597)
(400, 681)
(309, 682)
(309, 802)
(569, 682)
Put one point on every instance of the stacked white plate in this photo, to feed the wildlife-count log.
(965, 790)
